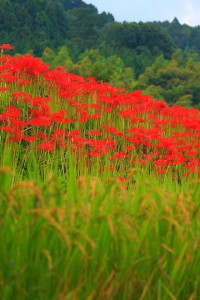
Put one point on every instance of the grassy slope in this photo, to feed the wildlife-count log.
(79, 225)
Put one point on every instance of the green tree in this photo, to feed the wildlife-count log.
(62, 58)
(48, 56)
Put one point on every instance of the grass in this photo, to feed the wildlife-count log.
(100, 241)
(86, 219)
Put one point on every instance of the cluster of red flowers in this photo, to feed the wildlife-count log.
(69, 111)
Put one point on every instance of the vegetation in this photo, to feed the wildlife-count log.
(161, 58)
(99, 189)
(176, 80)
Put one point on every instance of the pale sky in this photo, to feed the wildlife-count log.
(187, 11)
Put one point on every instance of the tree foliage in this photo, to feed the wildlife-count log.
(161, 58)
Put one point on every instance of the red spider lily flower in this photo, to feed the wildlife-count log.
(91, 79)
(30, 138)
(20, 96)
(59, 132)
(42, 136)
(46, 146)
(160, 162)
(13, 111)
(120, 178)
(4, 89)
(94, 132)
(59, 137)
(95, 153)
(29, 65)
(39, 101)
(9, 129)
(108, 109)
(59, 118)
(193, 165)
(95, 106)
(143, 162)
(106, 144)
(16, 138)
(9, 78)
(6, 47)
(160, 122)
(130, 147)
(192, 153)
(79, 141)
(23, 82)
(185, 174)
(118, 133)
(17, 123)
(119, 155)
(10, 113)
(74, 133)
(161, 171)
(112, 130)
(42, 121)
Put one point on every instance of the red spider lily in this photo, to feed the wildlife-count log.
(9, 78)
(143, 162)
(59, 118)
(6, 47)
(8, 129)
(96, 153)
(59, 133)
(101, 147)
(169, 136)
(94, 116)
(95, 106)
(40, 102)
(16, 138)
(42, 136)
(119, 155)
(112, 130)
(107, 143)
(17, 123)
(160, 162)
(108, 109)
(79, 141)
(46, 146)
(4, 89)
(94, 132)
(161, 171)
(42, 121)
(30, 66)
(11, 112)
(185, 174)
(23, 82)
(20, 96)
(190, 167)
(39, 112)
(59, 138)
(120, 178)
(130, 147)
(74, 133)
(30, 139)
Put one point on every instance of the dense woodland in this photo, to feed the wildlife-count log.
(161, 58)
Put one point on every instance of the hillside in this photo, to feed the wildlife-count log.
(34, 24)
(161, 58)
(99, 189)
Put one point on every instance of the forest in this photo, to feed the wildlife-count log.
(160, 58)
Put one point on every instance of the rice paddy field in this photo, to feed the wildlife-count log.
(99, 189)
